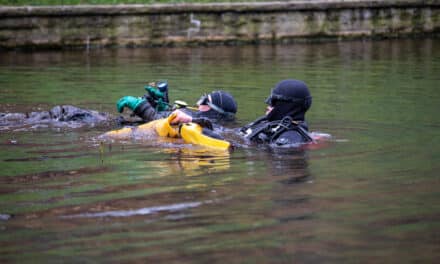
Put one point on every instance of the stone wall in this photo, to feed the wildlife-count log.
(217, 23)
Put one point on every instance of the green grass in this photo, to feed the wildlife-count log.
(108, 2)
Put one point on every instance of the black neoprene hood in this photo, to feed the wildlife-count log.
(224, 101)
(292, 91)
(289, 98)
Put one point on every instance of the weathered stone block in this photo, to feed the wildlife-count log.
(220, 23)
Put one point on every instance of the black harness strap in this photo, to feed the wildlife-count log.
(272, 130)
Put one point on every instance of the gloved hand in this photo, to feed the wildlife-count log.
(157, 98)
(203, 122)
(128, 101)
(154, 92)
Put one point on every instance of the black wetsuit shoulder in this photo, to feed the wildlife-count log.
(280, 132)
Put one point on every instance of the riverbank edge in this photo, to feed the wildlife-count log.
(132, 9)
(193, 24)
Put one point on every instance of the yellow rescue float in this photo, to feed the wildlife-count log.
(191, 133)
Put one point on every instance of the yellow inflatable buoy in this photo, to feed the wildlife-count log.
(193, 134)
(160, 126)
(163, 127)
(123, 133)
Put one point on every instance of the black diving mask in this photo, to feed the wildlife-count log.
(273, 98)
(203, 100)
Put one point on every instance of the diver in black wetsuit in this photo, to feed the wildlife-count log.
(217, 106)
(284, 123)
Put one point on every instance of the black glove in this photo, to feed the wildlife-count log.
(203, 122)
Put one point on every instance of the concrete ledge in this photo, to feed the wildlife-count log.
(136, 9)
(217, 23)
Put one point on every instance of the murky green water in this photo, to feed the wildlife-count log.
(371, 194)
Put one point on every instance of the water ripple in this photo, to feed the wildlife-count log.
(142, 211)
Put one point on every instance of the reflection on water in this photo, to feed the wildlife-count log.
(366, 194)
(192, 160)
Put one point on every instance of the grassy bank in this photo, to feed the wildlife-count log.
(109, 2)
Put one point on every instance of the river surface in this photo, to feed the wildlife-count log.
(368, 194)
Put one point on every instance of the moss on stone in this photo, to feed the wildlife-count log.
(220, 24)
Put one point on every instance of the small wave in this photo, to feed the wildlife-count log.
(320, 136)
(5, 217)
(142, 211)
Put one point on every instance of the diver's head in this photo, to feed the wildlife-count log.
(289, 98)
(219, 101)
